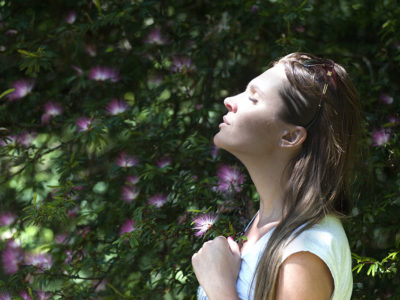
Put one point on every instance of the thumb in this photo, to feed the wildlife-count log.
(233, 245)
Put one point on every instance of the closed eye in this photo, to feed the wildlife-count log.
(253, 99)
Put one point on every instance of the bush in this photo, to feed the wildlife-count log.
(109, 179)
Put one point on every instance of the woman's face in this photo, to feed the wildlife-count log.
(252, 124)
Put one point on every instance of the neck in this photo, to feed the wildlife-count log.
(266, 174)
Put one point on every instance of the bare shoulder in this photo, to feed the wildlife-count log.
(304, 275)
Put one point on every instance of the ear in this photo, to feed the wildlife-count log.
(293, 137)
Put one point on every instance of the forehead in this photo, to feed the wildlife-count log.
(272, 79)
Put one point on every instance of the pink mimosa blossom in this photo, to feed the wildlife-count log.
(24, 295)
(51, 109)
(124, 160)
(155, 37)
(254, 9)
(157, 200)
(43, 261)
(394, 120)
(78, 70)
(180, 64)
(11, 257)
(68, 256)
(22, 88)
(203, 223)
(380, 137)
(71, 17)
(9, 139)
(100, 73)
(229, 178)
(61, 238)
(300, 29)
(163, 162)
(5, 296)
(43, 295)
(385, 98)
(128, 226)
(83, 123)
(129, 193)
(72, 213)
(100, 286)
(26, 138)
(11, 32)
(7, 218)
(132, 179)
(214, 151)
(155, 79)
(91, 50)
(116, 106)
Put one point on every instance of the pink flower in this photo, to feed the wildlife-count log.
(5, 296)
(43, 261)
(91, 50)
(129, 193)
(99, 73)
(126, 161)
(24, 295)
(157, 200)
(385, 98)
(163, 162)
(22, 88)
(380, 137)
(61, 238)
(71, 17)
(7, 218)
(180, 64)
(155, 37)
(300, 29)
(394, 120)
(77, 70)
(128, 226)
(11, 32)
(68, 256)
(155, 79)
(72, 213)
(132, 179)
(26, 138)
(43, 295)
(83, 123)
(203, 223)
(51, 109)
(100, 286)
(115, 107)
(229, 179)
(11, 257)
(254, 9)
(214, 151)
(9, 139)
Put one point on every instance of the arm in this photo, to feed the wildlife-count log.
(304, 276)
(216, 266)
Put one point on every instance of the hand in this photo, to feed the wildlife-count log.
(216, 266)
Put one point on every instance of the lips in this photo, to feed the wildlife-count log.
(225, 120)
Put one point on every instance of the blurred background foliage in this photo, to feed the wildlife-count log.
(108, 109)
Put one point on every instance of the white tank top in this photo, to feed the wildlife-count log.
(327, 240)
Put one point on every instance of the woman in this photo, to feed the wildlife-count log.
(294, 128)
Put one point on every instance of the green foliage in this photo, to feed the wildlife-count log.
(65, 188)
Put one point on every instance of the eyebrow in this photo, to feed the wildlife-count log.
(253, 86)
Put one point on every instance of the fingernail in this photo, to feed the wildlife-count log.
(230, 238)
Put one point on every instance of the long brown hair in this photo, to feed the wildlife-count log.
(319, 176)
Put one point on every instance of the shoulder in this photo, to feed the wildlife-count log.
(304, 275)
(321, 254)
(326, 239)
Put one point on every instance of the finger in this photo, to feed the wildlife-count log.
(233, 245)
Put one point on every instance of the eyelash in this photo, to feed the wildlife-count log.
(253, 100)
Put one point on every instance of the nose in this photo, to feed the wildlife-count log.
(230, 104)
